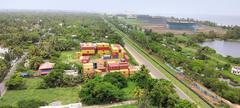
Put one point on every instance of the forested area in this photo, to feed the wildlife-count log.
(52, 37)
(45, 35)
(201, 64)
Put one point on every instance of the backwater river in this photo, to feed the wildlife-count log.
(225, 48)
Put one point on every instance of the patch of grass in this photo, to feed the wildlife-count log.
(33, 83)
(129, 90)
(68, 56)
(65, 95)
(126, 106)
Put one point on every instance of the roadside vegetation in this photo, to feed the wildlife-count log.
(183, 53)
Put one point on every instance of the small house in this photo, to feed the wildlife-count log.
(236, 70)
(45, 68)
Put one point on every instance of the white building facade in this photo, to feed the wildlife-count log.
(236, 70)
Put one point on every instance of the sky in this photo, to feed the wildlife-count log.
(154, 7)
(197, 9)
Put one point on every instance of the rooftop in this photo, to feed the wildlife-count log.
(46, 65)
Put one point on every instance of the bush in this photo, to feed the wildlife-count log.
(99, 92)
(116, 79)
(54, 78)
(31, 103)
(16, 82)
(141, 78)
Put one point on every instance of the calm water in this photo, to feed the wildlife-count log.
(225, 48)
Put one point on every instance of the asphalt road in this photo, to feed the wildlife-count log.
(155, 73)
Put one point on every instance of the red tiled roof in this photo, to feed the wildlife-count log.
(46, 65)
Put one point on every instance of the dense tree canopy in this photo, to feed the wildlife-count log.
(98, 92)
(116, 79)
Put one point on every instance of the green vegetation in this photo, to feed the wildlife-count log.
(197, 65)
(232, 33)
(31, 103)
(16, 82)
(95, 92)
(112, 85)
(160, 64)
(116, 79)
(156, 93)
(32, 91)
(4, 65)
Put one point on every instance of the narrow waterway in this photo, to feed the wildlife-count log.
(225, 48)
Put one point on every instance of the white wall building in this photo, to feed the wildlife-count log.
(236, 70)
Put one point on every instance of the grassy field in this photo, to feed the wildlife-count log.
(68, 56)
(65, 95)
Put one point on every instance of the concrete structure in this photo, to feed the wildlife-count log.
(45, 68)
(236, 70)
(182, 25)
(71, 72)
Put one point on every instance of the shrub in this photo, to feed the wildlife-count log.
(54, 78)
(32, 103)
(116, 79)
(16, 82)
(99, 92)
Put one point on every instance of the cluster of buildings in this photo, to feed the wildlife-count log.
(96, 58)
(100, 58)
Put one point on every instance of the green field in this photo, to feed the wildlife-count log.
(68, 56)
(65, 95)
